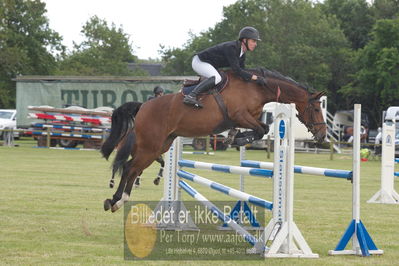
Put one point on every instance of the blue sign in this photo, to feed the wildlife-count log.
(281, 129)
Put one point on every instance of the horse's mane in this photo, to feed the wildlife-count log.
(277, 75)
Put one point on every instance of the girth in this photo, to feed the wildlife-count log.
(226, 122)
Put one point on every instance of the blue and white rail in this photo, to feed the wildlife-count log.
(93, 129)
(73, 135)
(225, 189)
(226, 168)
(225, 218)
(302, 169)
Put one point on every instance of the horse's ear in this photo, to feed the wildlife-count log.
(317, 95)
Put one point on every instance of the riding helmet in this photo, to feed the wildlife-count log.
(158, 90)
(249, 33)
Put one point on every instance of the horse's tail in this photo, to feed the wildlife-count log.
(121, 121)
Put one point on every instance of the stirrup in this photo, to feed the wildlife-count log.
(189, 100)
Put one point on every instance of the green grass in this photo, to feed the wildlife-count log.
(51, 209)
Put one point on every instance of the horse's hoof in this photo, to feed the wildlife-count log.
(111, 184)
(119, 203)
(156, 181)
(137, 183)
(107, 204)
(115, 207)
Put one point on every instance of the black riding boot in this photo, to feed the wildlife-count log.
(191, 99)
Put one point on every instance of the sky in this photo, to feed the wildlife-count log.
(149, 23)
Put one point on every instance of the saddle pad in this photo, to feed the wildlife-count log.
(219, 87)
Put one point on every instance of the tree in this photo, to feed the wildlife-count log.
(376, 83)
(355, 18)
(27, 45)
(385, 9)
(106, 51)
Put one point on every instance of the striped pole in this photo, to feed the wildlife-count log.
(226, 168)
(226, 190)
(199, 152)
(62, 117)
(302, 169)
(71, 127)
(225, 218)
(72, 135)
(65, 148)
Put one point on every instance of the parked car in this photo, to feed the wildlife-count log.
(8, 121)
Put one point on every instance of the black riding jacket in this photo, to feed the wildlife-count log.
(226, 54)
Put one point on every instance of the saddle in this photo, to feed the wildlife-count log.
(190, 84)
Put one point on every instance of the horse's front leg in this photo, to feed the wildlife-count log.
(265, 127)
(246, 120)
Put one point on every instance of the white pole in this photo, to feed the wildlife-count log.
(356, 174)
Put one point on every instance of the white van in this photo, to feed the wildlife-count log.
(8, 120)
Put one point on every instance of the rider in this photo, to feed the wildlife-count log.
(158, 91)
(228, 54)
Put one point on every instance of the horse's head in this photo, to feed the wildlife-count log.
(312, 117)
(284, 89)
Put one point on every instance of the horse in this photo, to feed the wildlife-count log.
(150, 132)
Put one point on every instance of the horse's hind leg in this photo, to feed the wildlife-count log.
(141, 161)
(161, 161)
(108, 203)
(135, 169)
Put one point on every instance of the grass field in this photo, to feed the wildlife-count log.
(51, 208)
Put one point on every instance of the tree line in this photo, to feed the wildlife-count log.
(348, 48)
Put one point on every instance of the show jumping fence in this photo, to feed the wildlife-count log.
(288, 242)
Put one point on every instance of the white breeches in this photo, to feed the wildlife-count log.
(205, 69)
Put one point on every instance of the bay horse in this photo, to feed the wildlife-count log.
(155, 124)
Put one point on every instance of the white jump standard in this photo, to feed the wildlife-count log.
(362, 243)
(387, 193)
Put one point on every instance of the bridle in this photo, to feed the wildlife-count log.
(311, 124)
